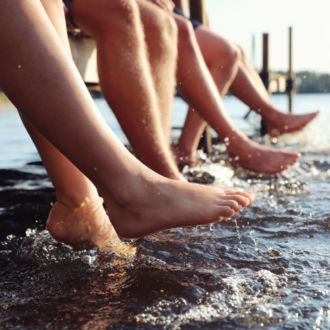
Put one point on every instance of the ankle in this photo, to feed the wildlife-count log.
(74, 200)
(271, 115)
(183, 151)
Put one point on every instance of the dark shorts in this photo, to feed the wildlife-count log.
(195, 23)
(68, 16)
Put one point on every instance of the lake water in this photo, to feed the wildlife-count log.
(267, 267)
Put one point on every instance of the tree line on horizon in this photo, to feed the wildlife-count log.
(311, 82)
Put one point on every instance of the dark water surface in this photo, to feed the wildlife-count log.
(267, 267)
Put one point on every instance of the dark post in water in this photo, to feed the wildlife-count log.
(264, 73)
(290, 81)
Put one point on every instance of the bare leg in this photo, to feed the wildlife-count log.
(78, 217)
(37, 76)
(224, 71)
(199, 89)
(186, 147)
(246, 85)
(161, 38)
(125, 77)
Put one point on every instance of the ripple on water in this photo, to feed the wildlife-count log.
(268, 266)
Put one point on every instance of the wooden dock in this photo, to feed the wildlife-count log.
(84, 55)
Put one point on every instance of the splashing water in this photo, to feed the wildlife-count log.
(268, 266)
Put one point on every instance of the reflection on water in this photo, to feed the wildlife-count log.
(266, 267)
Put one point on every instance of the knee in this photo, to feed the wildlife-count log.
(186, 33)
(233, 56)
(102, 15)
(241, 54)
(230, 56)
(161, 30)
(168, 30)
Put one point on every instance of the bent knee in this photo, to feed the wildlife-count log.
(229, 55)
(233, 55)
(91, 15)
(186, 32)
(241, 54)
(159, 26)
(170, 27)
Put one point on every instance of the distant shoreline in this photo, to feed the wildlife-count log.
(310, 82)
(306, 82)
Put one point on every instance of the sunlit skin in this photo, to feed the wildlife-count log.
(77, 218)
(242, 152)
(257, 158)
(84, 226)
(230, 70)
(207, 101)
(288, 123)
(139, 201)
(139, 88)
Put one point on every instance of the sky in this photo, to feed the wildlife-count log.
(240, 20)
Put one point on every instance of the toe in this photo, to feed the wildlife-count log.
(225, 212)
(233, 204)
(244, 198)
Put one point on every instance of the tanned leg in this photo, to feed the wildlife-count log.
(245, 84)
(78, 217)
(248, 87)
(224, 71)
(160, 33)
(200, 91)
(38, 77)
(126, 79)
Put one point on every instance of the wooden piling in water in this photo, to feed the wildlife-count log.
(264, 73)
(290, 82)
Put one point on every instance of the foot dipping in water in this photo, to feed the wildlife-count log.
(243, 152)
(160, 206)
(86, 157)
(219, 66)
(288, 123)
(84, 226)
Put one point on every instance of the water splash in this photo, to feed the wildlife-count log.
(267, 267)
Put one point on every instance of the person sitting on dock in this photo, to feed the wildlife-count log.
(231, 70)
(198, 88)
(37, 75)
(115, 79)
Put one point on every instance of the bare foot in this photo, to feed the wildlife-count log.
(257, 158)
(84, 226)
(288, 123)
(156, 203)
